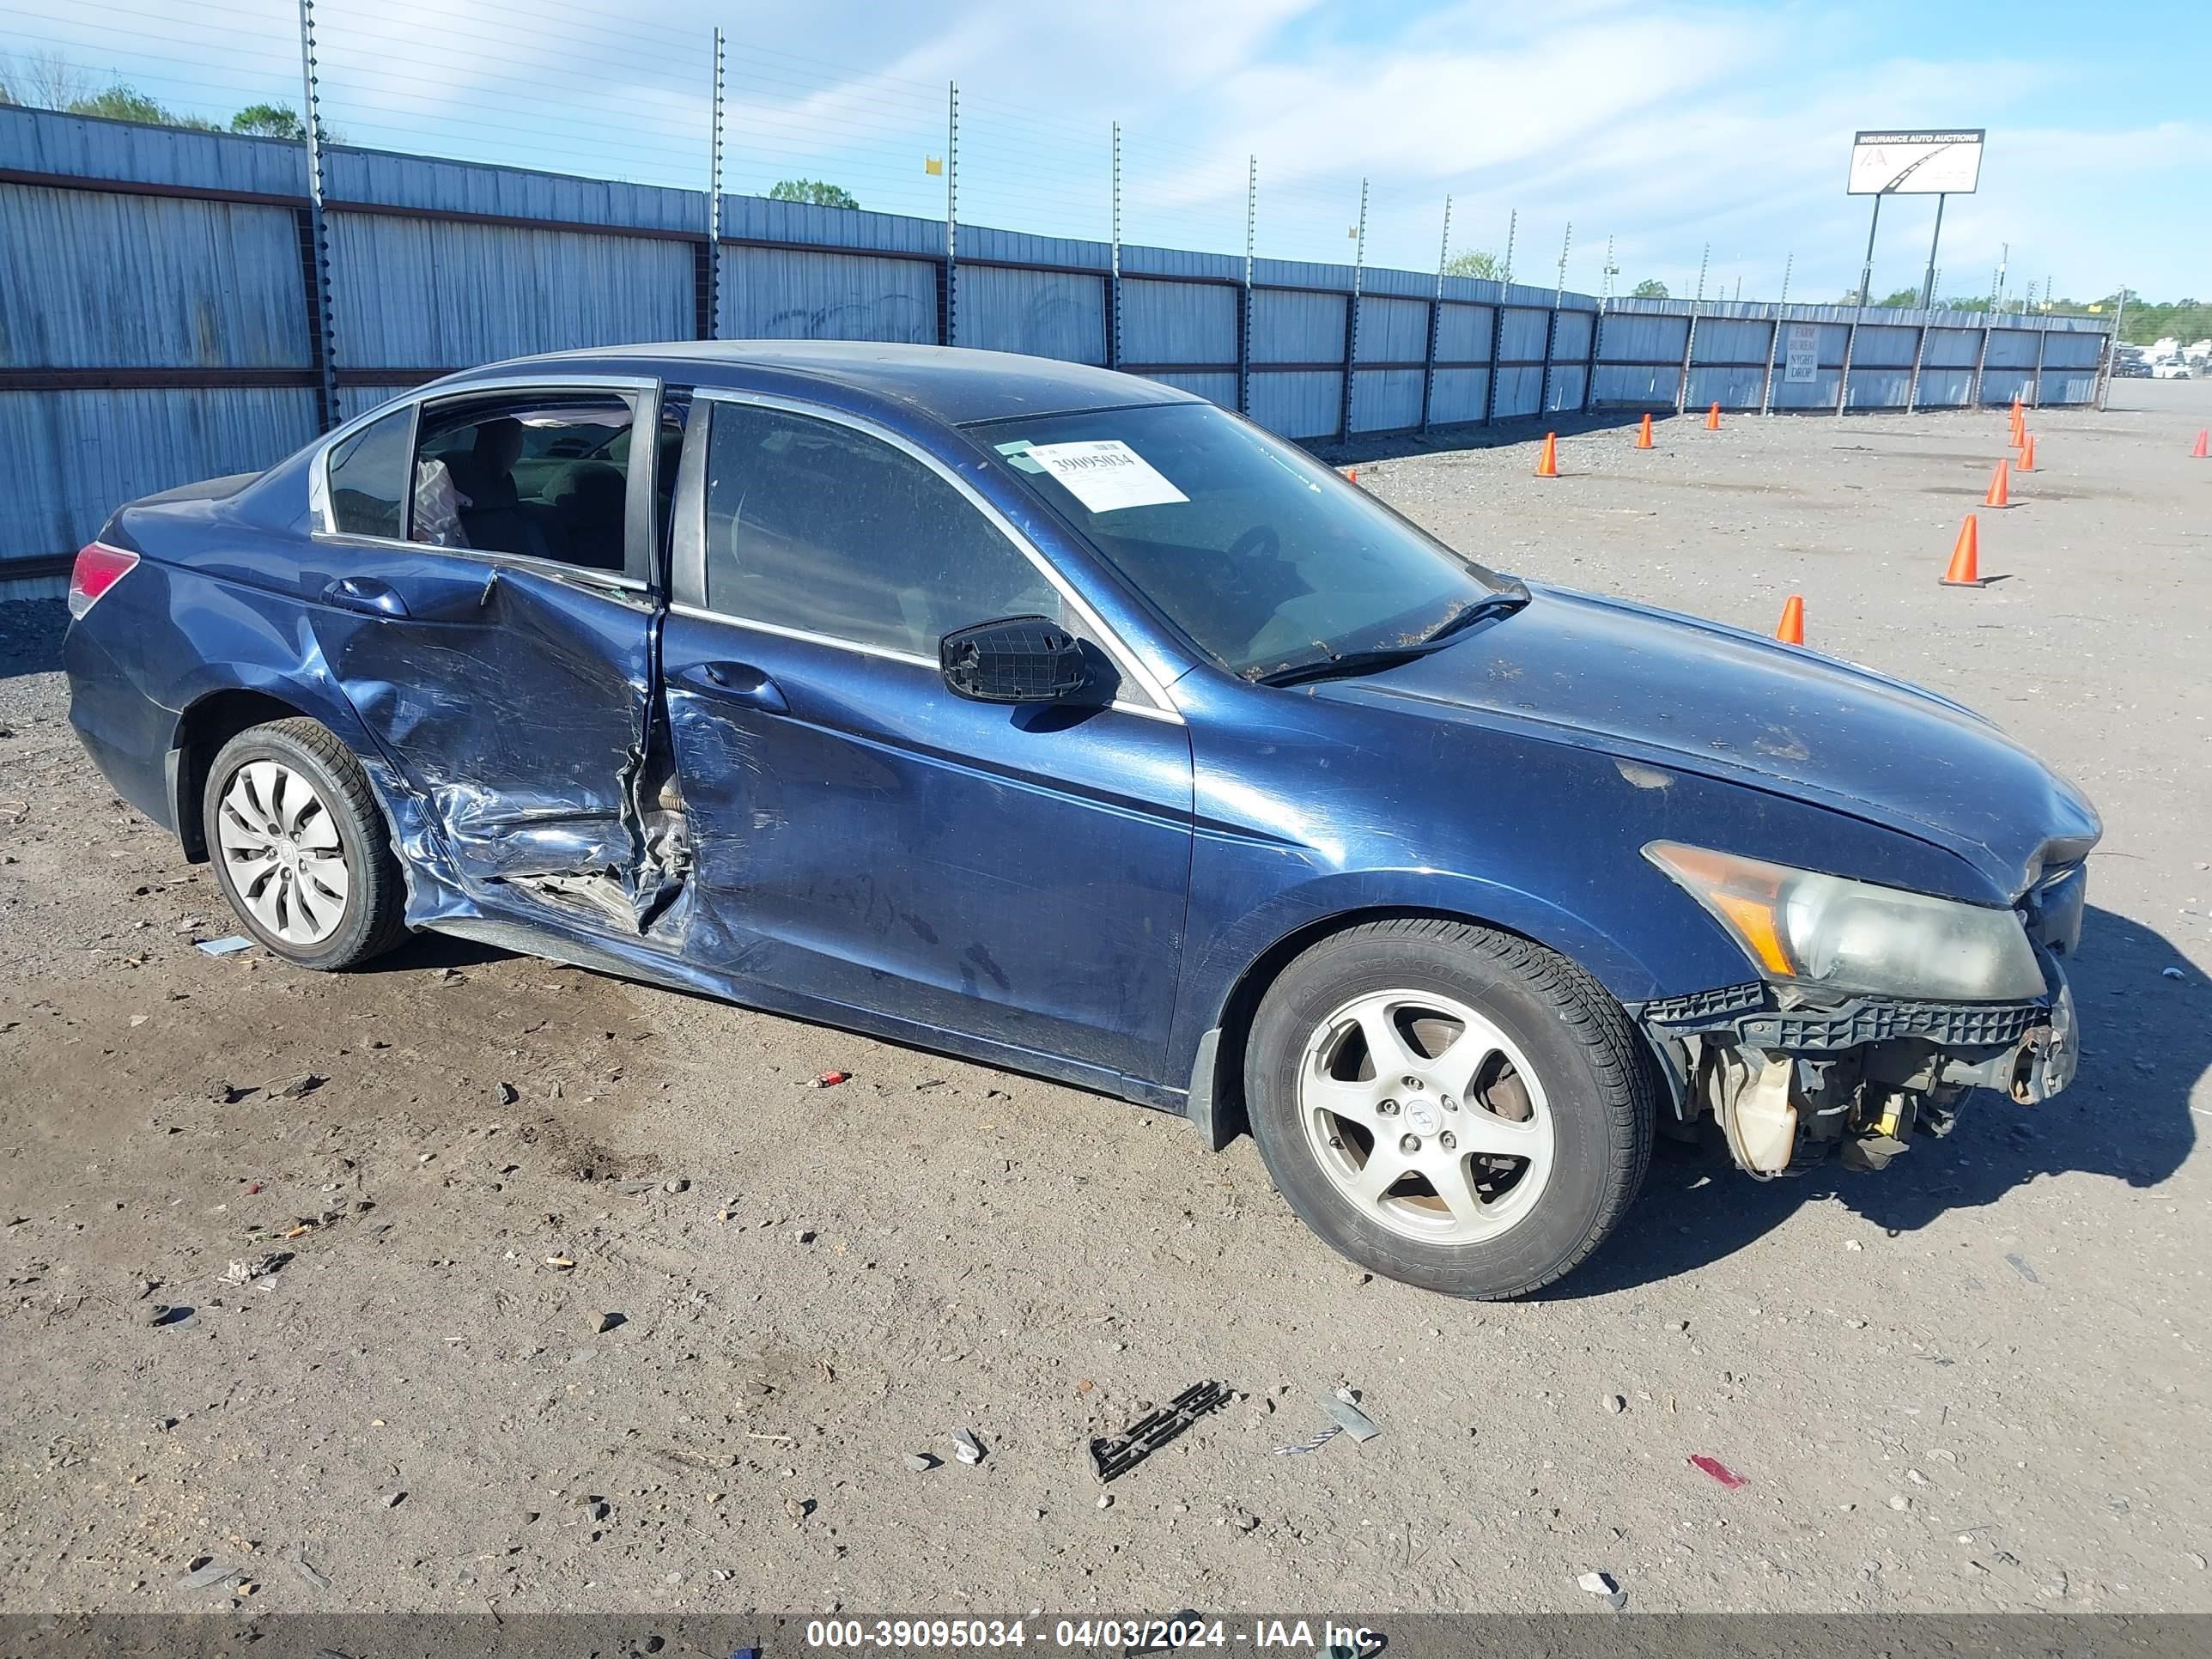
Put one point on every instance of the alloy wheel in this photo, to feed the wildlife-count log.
(1425, 1115)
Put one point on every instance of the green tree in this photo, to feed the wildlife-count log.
(816, 191)
(1476, 262)
(270, 121)
(1907, 297)
(122, 102)
(1649, 288)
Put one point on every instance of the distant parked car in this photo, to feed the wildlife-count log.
(1062, 721)
(2169, 371)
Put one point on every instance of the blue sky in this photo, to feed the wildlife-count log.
(1667, 126)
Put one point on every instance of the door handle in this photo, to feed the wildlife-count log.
(366, 593)
(736, 682)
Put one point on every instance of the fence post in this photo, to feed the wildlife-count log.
(1244, 310)
(952, 308)
(1551, 345)
(1436, 319)
(1773, 345)
(1496, 349)
(1114, 297)
(1843, 379)
(1352, 321)
(1919, 352)
(712, 290)
(2042, 339)
(1689, 350)
(2105, 361)
(322, 334)
(1590, 362)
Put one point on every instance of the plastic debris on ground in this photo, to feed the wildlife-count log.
(1719, 1471)
(827, 1080)
(1604, 1584)
(1115, 1456)
(2020, 1266)
(967, 1447)
(207, 1574)
(308, 1570)
(1343, 1406)
(229, 945)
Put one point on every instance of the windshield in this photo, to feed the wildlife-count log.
(1263, 556)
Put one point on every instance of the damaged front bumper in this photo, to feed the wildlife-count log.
(1791, 1078)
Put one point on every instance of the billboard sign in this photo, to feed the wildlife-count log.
(1929, 163)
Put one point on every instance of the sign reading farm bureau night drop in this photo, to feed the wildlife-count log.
(1802, 365)
(1934, 163)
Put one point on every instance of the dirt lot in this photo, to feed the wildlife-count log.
(1978, 1381)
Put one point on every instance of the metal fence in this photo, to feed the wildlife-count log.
(176, 305)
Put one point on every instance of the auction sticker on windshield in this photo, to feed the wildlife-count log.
(1105, 474)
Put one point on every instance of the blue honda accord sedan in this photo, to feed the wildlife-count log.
(1062, 721)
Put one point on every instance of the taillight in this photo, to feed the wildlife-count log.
(99, 567)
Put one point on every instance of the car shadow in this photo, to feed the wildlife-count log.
(421, 952)
(31, 636)
(2146, 1043)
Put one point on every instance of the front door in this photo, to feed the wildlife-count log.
(862, 836)
(493, 628)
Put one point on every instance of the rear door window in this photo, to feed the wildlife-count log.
(543, 475)
(368, 478)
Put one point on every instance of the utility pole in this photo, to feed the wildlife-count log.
(322, 330)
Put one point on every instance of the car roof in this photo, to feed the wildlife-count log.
(954, 384)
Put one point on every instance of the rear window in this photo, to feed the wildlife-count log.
(368, 478)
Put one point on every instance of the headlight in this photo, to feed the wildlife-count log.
(1853, 936)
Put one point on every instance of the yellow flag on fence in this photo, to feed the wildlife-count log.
(933, 165)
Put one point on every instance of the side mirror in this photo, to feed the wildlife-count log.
(1014, 659)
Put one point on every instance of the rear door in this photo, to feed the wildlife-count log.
(862, 836)
(486, 601)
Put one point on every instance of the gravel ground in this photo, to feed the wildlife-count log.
(1977, 1382)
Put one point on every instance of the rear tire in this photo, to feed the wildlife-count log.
(1447, 1105)
(300, 846)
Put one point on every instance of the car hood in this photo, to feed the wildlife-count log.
(1671, 690)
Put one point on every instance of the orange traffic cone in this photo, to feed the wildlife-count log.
(1713, 418)
(1965, 569)
(1999, 496)
(2027, 454)
(1791, 629)
(1351, 475)
(1547, 464)
(2203, 450)
(1643, 436)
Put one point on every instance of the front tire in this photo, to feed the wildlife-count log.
(300, 847)
(1447, 1105)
